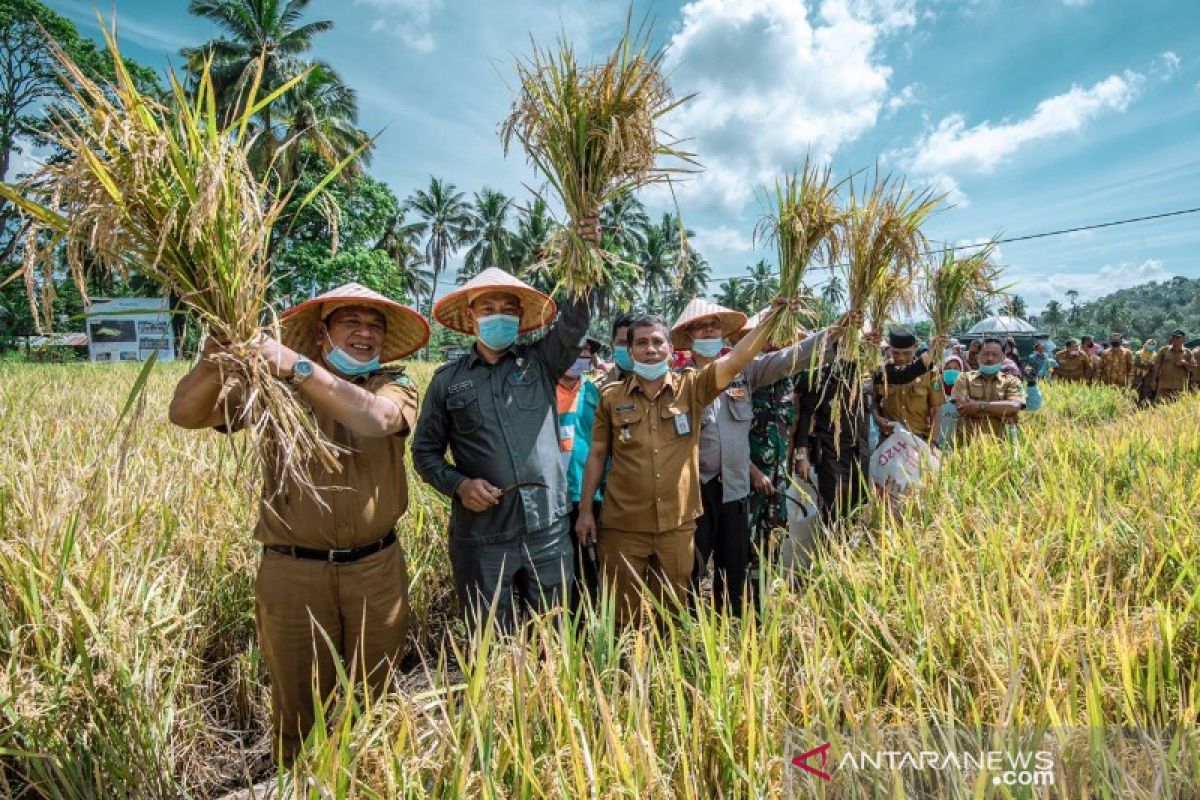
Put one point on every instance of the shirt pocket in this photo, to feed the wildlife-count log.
(464, 411)
(672, 412)
(525, 387)
(629, 429)
(740, 408)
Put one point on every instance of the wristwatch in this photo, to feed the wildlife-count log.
(302, 370)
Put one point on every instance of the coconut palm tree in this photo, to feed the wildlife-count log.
(763, 284)
(834, 292)
(735, 295)
(255, 31)
(401, 241)
(624, 220)
(692, 283)
(534, 226)
(1015, 306)
(1053, 316)
(491, 242)
(657, 260)
(445, 220)
(319, 118)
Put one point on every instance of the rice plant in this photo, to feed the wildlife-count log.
(952, 285)
(803, 223)
(164, 188)
(1053, 591)
(593, 133)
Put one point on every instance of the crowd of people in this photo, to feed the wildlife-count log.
(563, 470)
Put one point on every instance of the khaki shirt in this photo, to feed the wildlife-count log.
(654, 447)
(365, 499)
(1116, 366)
(1173, 368)
(976, 386)
(912, 404)
(1073, 367)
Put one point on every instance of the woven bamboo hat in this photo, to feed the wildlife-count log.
(537, 309)
(699, 308)
(407, 331)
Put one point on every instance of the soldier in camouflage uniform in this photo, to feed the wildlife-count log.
(770, 432)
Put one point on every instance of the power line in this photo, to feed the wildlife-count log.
(1027, 237)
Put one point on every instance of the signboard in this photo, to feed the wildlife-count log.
(129, 329)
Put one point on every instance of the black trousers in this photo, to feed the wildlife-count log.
(723, 533)
(587, 569)
(841, 478)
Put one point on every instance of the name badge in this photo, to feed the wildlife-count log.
(683, 425)
(737, 394)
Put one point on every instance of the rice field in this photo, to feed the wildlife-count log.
(1050, 590)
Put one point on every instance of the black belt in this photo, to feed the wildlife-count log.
(335, 556)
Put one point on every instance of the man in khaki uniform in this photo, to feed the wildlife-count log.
(650, 426)
(1116, 363)
(1074, 365)
(916, 404)
(1173, 367)
(987, 400)
(1143, 372)
(338, 567)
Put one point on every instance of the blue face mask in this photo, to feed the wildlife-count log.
(708, 348)
(622, 357)
(991, 369)
(950, 376)
(347, 364)
(651, 372)
(499, 330)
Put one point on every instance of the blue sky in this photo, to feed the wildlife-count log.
(1033, 115)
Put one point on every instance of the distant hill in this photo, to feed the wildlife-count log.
(1148, 310)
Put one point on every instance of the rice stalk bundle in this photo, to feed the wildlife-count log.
(803, 223)
(952, 285)
(164, 189)
(882, 245)
(593, 132)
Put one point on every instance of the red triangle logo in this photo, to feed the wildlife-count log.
(801, 761)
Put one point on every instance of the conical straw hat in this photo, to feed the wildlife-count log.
(407, 331)
(537, 309)
(699, 308)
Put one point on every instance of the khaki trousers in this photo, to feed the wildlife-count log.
(663, 561)
(361, 606)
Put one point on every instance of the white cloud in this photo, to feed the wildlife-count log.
(408, 20)
(776, 80)
(1166, 66)
(1041, 289)
(723, 239)
(953, 147)
(905, 97)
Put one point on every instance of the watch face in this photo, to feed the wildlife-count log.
(303, 367)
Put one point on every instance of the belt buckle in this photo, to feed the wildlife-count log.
(333, 555)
